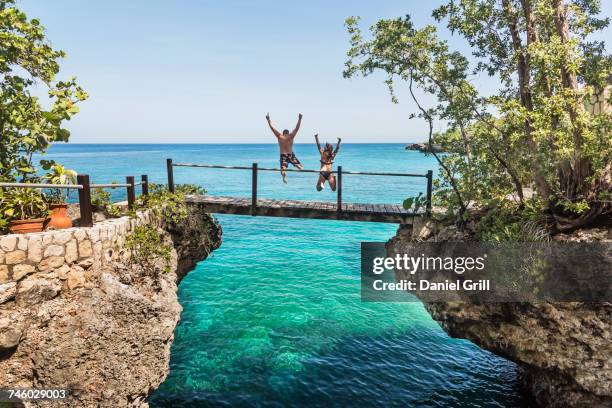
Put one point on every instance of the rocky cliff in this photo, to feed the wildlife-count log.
(74, 314)
(424, 147)
(564, 350)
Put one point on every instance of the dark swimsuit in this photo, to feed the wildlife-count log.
(286, 158)
(326, 173)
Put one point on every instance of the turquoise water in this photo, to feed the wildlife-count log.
(274, 317)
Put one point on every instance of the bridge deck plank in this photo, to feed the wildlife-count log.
(304, 209)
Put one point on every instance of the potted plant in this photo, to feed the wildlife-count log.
(25, 208)
(57, 197)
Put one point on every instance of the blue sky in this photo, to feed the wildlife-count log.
(207, 71)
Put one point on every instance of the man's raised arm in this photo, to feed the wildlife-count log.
(276, 132)
(297, 127)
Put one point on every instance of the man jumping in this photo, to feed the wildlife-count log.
(285, 144)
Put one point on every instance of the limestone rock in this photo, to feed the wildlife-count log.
(21, 270)
(75, 279)
(423, 147)
(53, 250)
(10, 334)
(94, 234)
(4, 273)
(35, 249)
(47, 238)
(423, 228)
(50, 263)
(563, 349)
(14, 257)
(109, 338)
(7, 291)
(80, 234)
(62, 238)
(72, 253)
(8, 243)
(85, 249)
(62, 272)
(22, 243)
(33, 290)
(99, 217)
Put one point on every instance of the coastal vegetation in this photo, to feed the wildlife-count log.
(28, 125)
(534, 133)
(149, 252)
(101, 202)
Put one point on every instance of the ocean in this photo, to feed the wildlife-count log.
(274, 317)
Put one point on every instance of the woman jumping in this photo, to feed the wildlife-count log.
(328, 154)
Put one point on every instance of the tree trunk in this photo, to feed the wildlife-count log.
(525, 94)
(515, 179)
(574, 174)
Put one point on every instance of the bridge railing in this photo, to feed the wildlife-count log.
(254, 168)
(84, 188)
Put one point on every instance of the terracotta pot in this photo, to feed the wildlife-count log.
(59, 217)
(25, 226)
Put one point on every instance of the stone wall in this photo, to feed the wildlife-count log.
(75, 314)
(37, 266)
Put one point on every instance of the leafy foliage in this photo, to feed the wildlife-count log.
(505, 222)
(189, 189)
(21, 204)
(58, 174)
(536, 130)
(27, 125)
(100, 199)
(27, 61)
(167, 206)
(415, 203)
(146, 243)
(147, 249)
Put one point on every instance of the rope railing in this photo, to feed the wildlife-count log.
(339, 173)
(84, 187)
(42, 185)
(360, 173)
(110, 185)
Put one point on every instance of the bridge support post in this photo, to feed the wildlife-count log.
(131, 192)
(170, 175)
(144, 184)
(429, 192)
(85, 201)
(339, 187)
(254, 191)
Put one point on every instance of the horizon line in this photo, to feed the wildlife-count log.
(209, 143)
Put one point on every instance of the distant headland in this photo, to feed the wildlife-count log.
(423, 147)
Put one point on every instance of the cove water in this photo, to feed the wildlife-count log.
(274, 317)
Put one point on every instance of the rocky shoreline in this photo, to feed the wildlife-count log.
(423, 147)
(562, 349)
(74, 314)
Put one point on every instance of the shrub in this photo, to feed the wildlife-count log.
(167, 206)
(148, 247)
(148, 250)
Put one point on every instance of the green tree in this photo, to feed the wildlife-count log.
(535, 130)
(26, 126)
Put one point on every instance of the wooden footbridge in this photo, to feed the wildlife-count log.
(253, 205)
